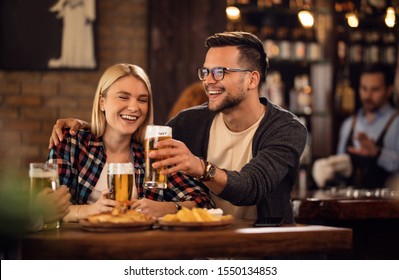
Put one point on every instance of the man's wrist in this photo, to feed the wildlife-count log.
(209, 172)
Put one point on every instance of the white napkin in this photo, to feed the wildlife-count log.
(325, 169)
(215, 211)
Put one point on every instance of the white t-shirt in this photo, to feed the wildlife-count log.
(231, 150)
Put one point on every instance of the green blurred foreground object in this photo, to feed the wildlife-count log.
(14, 205)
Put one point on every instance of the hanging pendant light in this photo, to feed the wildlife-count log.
(352, 19)
(390, 17)
(306, 18)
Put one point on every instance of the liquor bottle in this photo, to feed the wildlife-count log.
(313, 49)
(371, 53)
(356, 47)
(342, 46)
(305, 96)
(269, 41)
(283, 43)
(344, 97)
(298, 44)
(390, 48)
(274, 88)
(348, 98)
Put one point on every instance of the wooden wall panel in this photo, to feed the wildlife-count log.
(176, 48)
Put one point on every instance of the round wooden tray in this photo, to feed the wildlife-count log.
(115, 227)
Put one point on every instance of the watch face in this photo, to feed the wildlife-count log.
(212, 171)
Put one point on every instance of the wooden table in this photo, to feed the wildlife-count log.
(239, 240)
(375, 222)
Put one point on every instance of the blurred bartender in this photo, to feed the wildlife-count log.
(368, 147)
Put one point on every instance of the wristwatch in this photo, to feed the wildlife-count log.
(209, 172)
(178, 207)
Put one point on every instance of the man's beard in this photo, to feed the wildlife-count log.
(228, 103)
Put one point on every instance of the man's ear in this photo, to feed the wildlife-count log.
(254, 80)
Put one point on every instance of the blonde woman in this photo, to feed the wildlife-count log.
(122, 109)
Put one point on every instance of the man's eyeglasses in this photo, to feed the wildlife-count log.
(217, 72)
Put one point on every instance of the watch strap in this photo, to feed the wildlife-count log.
(209, 171)
(178, 207)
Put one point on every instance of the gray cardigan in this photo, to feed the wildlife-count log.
(267, 180)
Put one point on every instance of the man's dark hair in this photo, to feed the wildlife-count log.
(384, 69)
(253, 55)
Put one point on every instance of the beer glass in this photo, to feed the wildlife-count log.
(43, 175)
(120, 181)
(154, 134)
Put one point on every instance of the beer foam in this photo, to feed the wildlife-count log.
(153, 131)
(120, 168)
(41, 173)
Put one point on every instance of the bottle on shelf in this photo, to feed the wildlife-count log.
(298, 45)
(301, 96)
(273, 89)
(269, 41)
(390, 48)
(371, 53)
(305, 96)
(345, 100)
(356, 47)
(313, 48)
(284, 43)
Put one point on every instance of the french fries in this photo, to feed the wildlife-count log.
(186, 215)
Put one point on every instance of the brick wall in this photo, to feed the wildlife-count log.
(30, 102)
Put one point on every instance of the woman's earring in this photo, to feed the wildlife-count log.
(102, 109)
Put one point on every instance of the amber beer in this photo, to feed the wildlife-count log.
(154, 134)
(43, 175)
(120, 181)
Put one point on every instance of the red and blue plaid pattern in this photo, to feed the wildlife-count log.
(81, 159)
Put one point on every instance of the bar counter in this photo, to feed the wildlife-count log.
(240, 240)
(374, 221)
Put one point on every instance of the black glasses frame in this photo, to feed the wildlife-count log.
(212, 71)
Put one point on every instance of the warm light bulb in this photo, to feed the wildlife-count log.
(390, 17)
(233, 13)
(352, 19)
(306, 18)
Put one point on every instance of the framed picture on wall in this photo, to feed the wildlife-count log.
(47, 34)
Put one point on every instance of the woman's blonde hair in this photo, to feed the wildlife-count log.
(109, 77)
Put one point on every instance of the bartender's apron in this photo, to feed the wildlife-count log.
(366, 171)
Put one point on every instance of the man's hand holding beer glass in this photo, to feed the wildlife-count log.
(173, 156)
(154, 178)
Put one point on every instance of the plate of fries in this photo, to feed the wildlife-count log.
(120, 219)
(195, 218)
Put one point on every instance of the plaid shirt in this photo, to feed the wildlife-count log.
(81, 158)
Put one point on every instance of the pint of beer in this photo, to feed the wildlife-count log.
(43, 175)
(154, 134)
(120, 181)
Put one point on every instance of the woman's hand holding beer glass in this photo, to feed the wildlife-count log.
(103, 204)
(121, 181)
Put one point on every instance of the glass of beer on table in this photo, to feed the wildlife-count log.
(120, 181)
(154, 134)
(43, 175)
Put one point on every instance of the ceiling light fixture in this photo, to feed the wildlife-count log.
(390, 17)
(352, 19)
(306, 18)
(233, 13)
